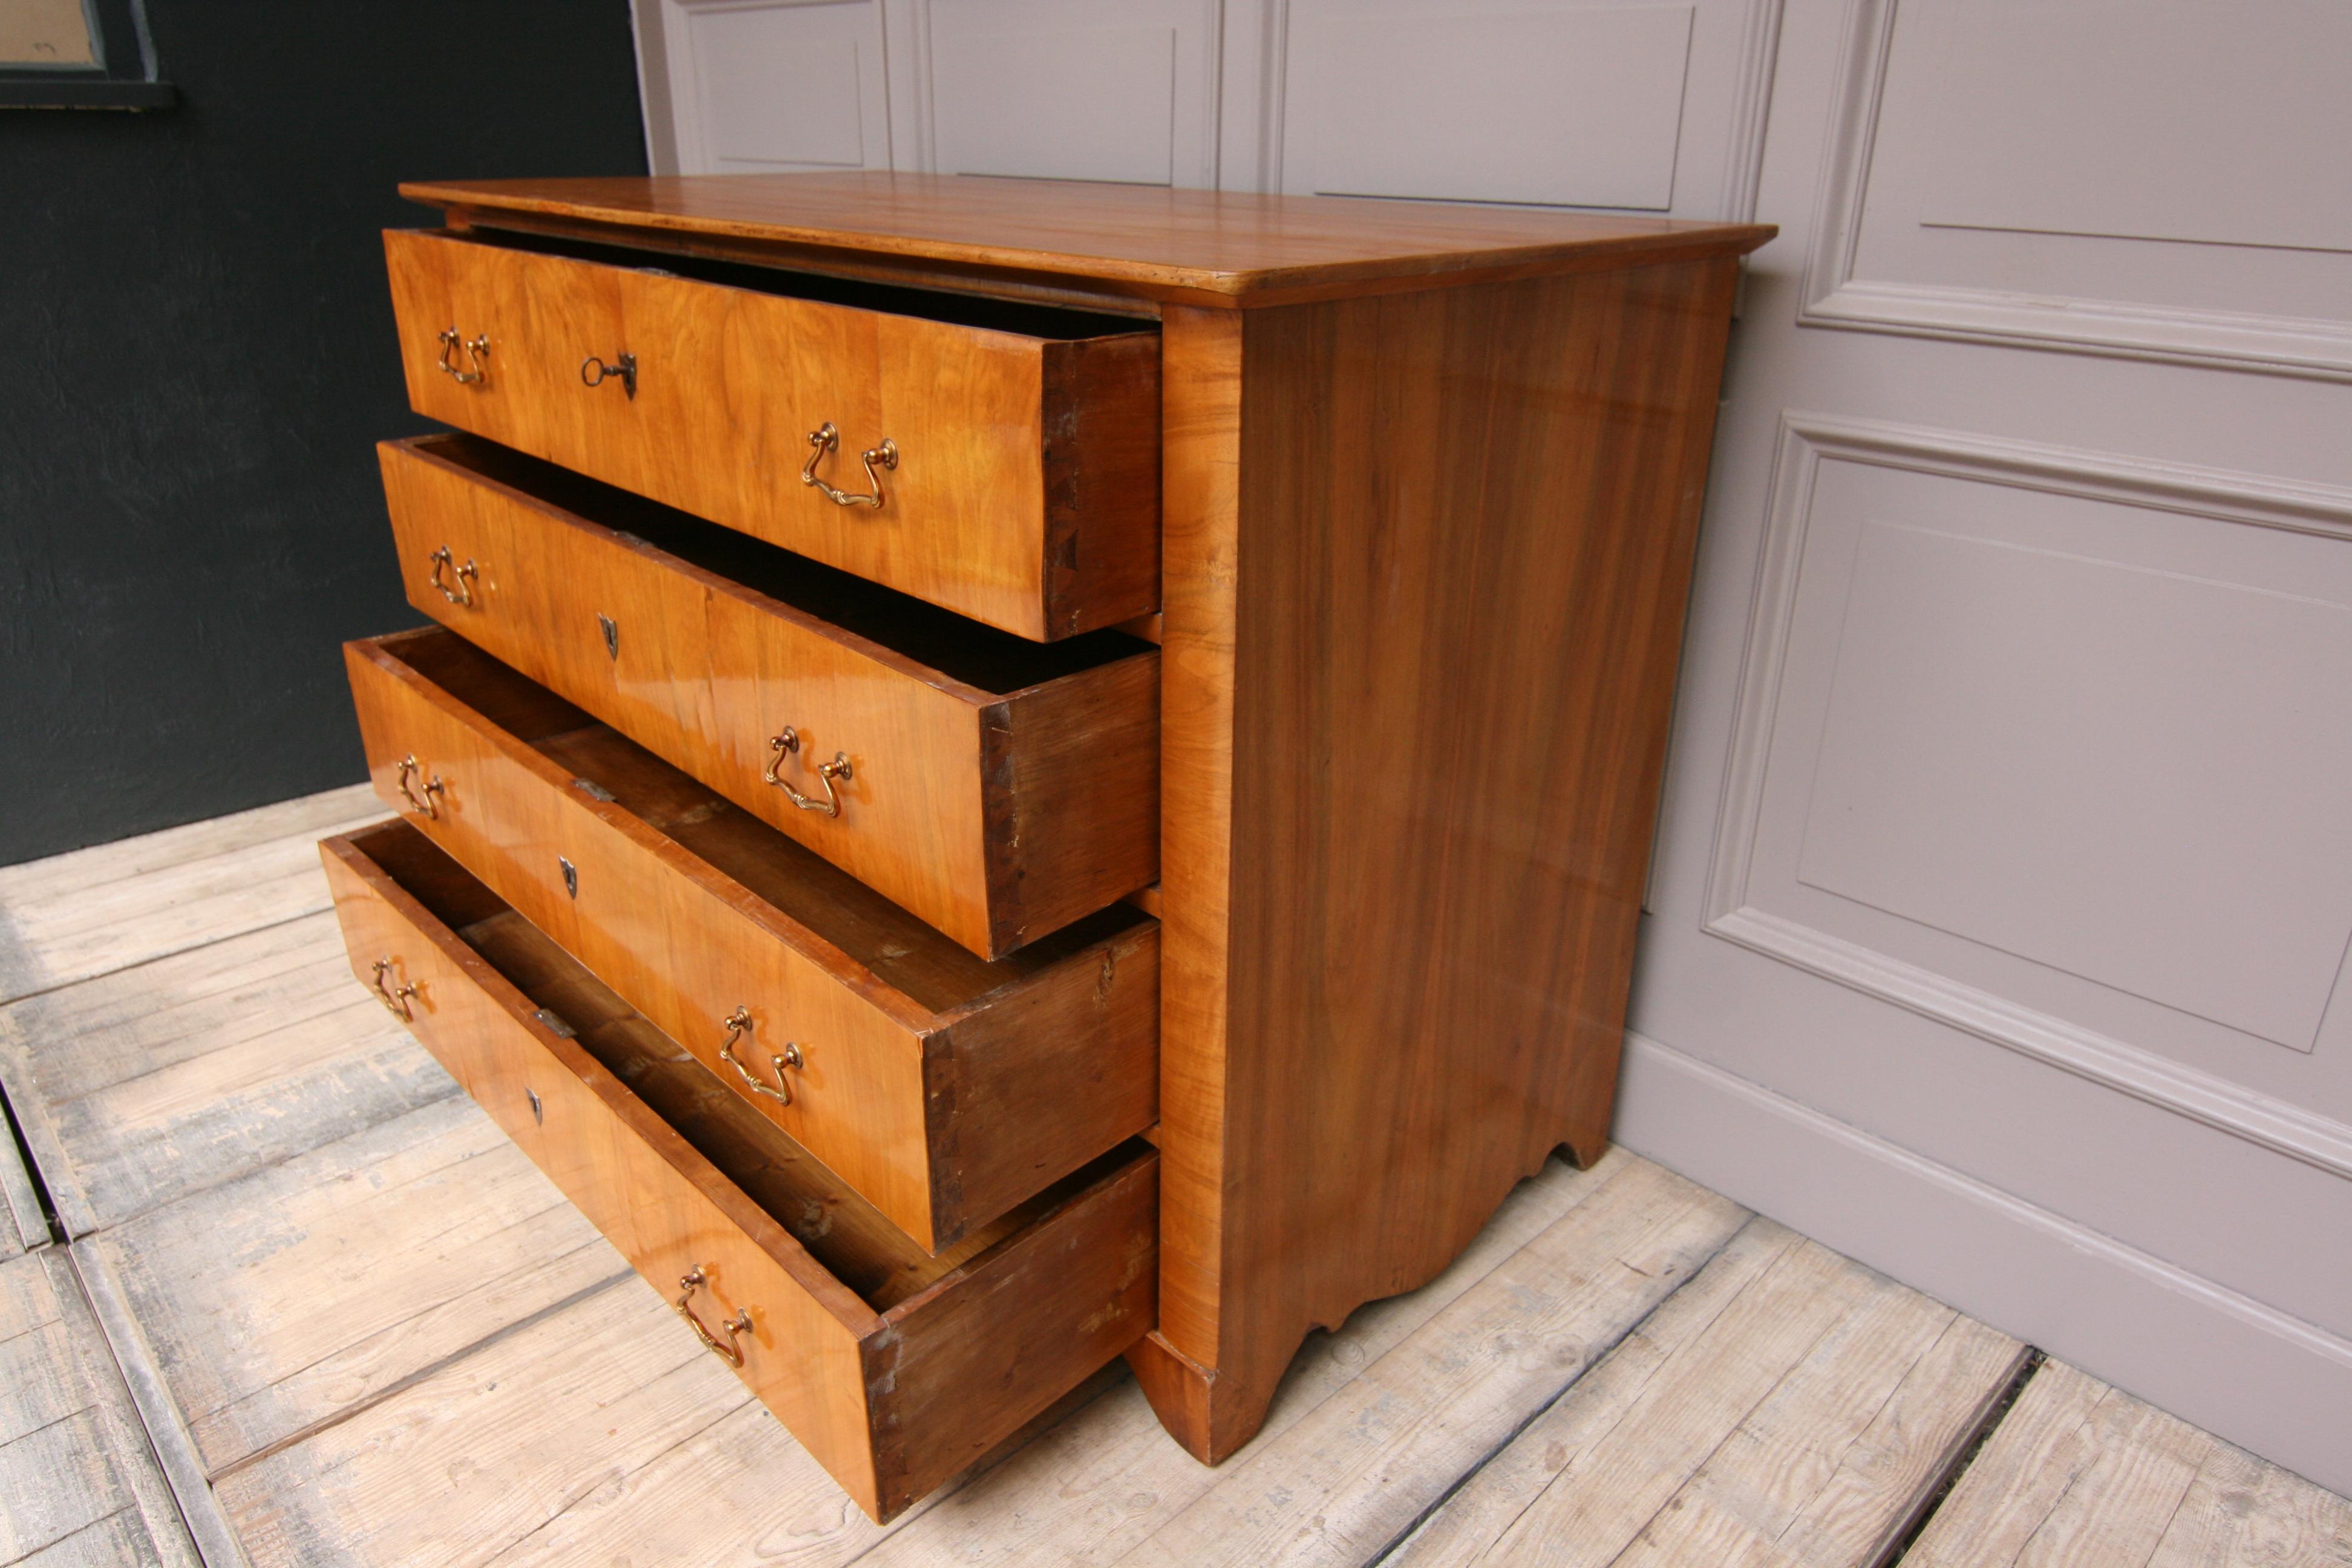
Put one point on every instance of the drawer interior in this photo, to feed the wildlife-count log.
(851, 1238)
(1054, 323)
(980, 657)
(898, 948)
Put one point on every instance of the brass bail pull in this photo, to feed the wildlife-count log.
(595, 371)
(393, 997)
(477, 352)
(462, 593)
(788, 741)
(739, 1024)
(428, 805)
(824, 439)
(730, 1352)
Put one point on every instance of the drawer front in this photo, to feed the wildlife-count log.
(681, 952)
(633, 1183)
(942, 1122)
(1025, 490)
(891, 1403)
(996, 820)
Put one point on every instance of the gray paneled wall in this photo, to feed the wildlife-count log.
(2004, 896)
(1645, 105)
(2004, 905)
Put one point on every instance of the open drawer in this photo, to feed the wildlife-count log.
(999, 459)
(944, 1089)
(998, 788)
(896, 1369)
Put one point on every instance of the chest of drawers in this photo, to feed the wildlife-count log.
(1014, 772)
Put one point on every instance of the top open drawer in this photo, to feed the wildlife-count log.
(1001, 460)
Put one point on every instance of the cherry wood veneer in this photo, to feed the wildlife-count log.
(895, 1369)
(1027, 489)
(1427, 558)
(943, 1089)
(999, 789)
(1217, 248)
(1430, 484)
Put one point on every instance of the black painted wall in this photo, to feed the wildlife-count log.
(196, 360)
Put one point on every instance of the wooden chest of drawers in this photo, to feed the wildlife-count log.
(1013, 772)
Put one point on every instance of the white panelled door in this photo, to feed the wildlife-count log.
(2000, 927)
(745, 86)
(1638, 105)
(1072, 90)
(1650, 106)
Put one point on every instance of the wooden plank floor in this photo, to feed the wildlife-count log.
(78, 1484)
(2078, 1473)
(22, 1225)
(320, 1311)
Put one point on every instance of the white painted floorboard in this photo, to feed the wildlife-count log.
(348, 1323)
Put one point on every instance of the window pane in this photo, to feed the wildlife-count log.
(45, 33)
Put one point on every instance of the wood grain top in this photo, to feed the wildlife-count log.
(1199, 247)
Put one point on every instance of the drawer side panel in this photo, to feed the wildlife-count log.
(1069, 1066)
(960, 1368)
(1073, 790)
(1102, 482)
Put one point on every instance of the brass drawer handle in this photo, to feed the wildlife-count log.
(739, 1024)
(429, 808)
(463, 593)
(395, 998)
(732, 1352)
(595, 371)
(824, 439)
(477, 350)
(789, 742)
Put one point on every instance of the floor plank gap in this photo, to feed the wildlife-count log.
(430, 1369)
(165, 1429)
(1593, 1358)
(74, 1460)
(149, 961)
(1993, 1416)
(26, 1206)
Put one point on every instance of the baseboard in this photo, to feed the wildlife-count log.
(2272, 1383)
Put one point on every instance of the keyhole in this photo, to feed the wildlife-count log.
(611, 636)
(538, 1111)
(571, 877)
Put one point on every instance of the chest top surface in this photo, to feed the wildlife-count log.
(1210, 248)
